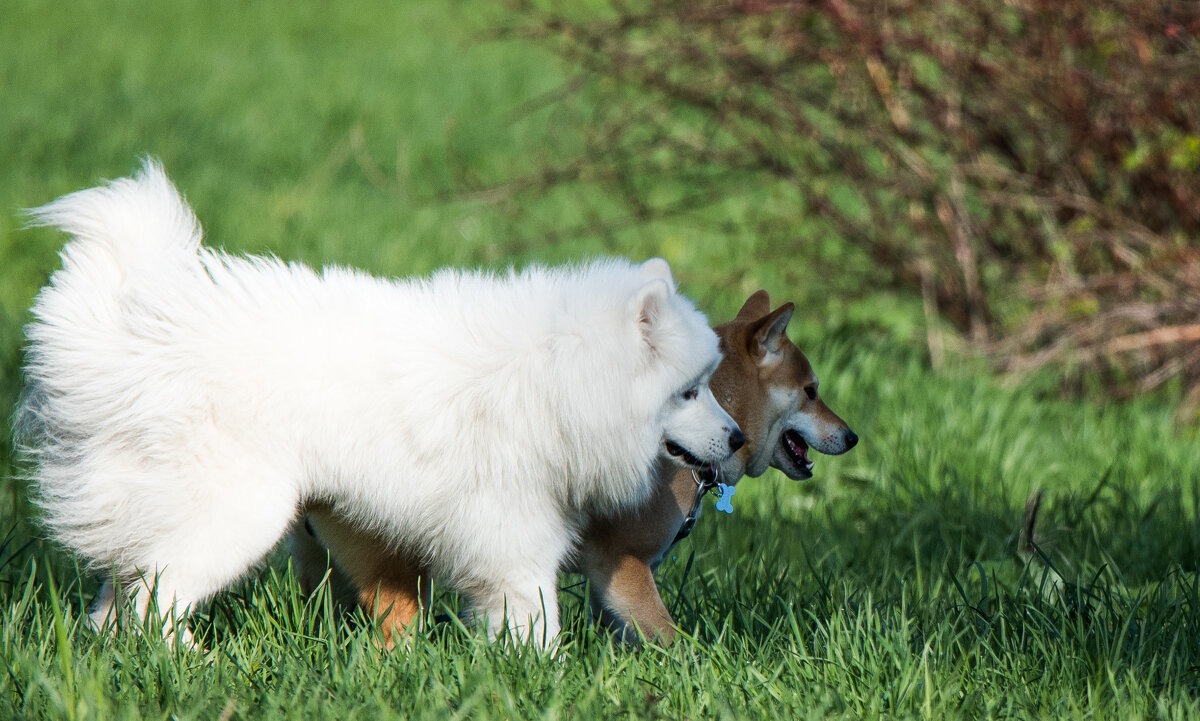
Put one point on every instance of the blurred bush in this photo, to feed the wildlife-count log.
(1031, 167)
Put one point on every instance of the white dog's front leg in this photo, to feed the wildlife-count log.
(529, 613)
(137, 601)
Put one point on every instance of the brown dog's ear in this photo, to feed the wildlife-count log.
(756, 306)
(766, 339)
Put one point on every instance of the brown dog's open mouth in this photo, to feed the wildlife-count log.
(797, 450)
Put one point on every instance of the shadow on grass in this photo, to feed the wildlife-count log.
(1111, 580)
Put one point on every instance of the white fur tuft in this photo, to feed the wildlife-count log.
(135, 222)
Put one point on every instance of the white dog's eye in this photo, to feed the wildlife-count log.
(690, 394)
(811, 391)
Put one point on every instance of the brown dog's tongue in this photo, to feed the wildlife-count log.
(800, 449)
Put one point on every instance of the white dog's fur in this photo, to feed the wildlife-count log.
(181, 405)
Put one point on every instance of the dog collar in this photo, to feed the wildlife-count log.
(705, 482)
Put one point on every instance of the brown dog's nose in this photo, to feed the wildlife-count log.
(737, 439)
(851, 439)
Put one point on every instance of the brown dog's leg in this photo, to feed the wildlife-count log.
(390, 586)
(310, 560)
(624, 591)
(618, 555)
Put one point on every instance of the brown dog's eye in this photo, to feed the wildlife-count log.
(811, 391)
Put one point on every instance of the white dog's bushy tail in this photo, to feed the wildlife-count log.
(132, 223)
(134, 241)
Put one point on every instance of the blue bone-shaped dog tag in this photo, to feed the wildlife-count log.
(725, 502)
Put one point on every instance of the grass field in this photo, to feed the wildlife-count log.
(889, 587)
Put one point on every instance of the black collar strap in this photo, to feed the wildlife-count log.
(705, 482)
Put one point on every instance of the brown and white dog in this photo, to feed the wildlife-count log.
(767, 385)
(764, 382)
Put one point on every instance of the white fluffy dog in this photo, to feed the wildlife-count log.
(182, 405)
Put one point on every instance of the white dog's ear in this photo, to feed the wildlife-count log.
(770, 333)
(658, 268)
(647, 305)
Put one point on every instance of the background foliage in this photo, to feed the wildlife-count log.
(1032, 168)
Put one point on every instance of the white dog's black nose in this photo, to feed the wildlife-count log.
(737, 439)
(851, 439)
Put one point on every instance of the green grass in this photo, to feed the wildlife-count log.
(890, 587)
